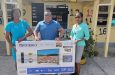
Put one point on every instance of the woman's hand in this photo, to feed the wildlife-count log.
(76, 41)
(11, 46)
(21, 39)
(14, 48)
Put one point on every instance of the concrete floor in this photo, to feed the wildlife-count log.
(94, 66)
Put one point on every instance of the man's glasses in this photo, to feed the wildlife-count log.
(47, 14)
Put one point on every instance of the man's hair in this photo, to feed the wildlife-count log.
(47, 11)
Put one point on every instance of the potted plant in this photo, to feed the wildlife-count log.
(90, 49)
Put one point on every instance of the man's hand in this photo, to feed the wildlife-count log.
(58, 42)
(57, 39)
(37, 39)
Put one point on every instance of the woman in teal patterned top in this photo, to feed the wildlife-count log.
(79, 33)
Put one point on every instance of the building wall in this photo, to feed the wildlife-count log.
(74, 6)
(2, 33)
(101, 30)
(28, 13)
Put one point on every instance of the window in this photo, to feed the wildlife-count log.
(11, 0)
(0, 14)
(102, 16)
(9, 9)
(60, 14)
(0, 10)
(37, 13)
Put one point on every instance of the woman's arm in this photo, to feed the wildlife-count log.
(86, 34)
(30, 32)
(8, 39)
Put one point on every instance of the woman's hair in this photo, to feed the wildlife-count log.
(13, 10)
(79, 13)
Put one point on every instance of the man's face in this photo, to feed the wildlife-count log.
(47, 16)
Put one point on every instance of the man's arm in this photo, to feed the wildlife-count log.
(61, 33)
(37, 35)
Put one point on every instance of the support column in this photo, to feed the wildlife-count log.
(20, 6)
(95, 16)
(111, 8)
(5, 20)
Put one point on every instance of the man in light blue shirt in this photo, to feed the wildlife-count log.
(48, 29)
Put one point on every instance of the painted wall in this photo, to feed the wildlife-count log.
(1, 29)
(74, 7)
(2, 33)
(101, 30)
(27, 15)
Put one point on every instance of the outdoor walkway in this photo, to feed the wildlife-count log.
(94, 66)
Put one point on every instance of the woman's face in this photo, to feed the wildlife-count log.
(16, 14)
(78, 18)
